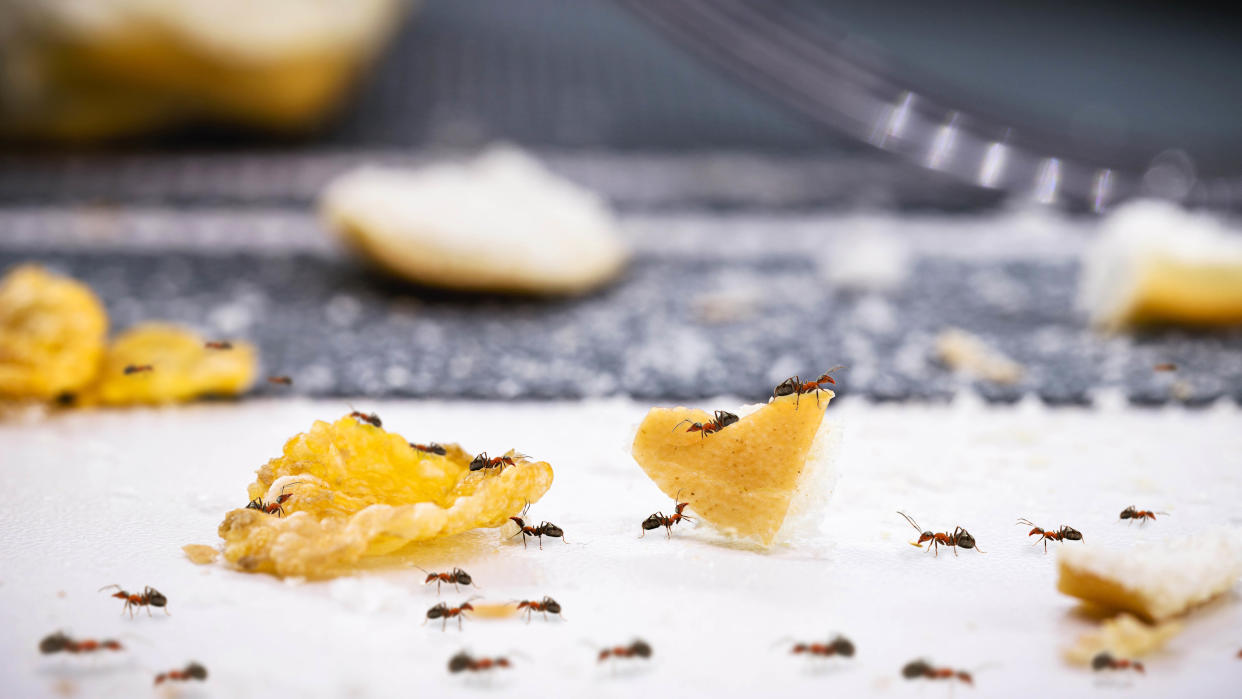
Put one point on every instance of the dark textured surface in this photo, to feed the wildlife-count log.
(339, 332)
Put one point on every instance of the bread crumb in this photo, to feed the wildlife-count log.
(200, 554)
(967, 353)
(1122, 636)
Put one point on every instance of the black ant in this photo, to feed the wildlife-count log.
(372, 418)
(150, 597)
(193, 671)
(1105, 661)
(137, 368)
(660, 519)
(463, 661)
(482, 461)
(1065, 533)
(454, 577)
(547, 605)
(795, 386)
(1142, 515)
(544, 529)
(959, 537)
(839, 645)
(57, 642)
(638, 648)
(720, 420)
(445, 612)
(432, 448)
(216, 345)
(280, 380)
(915, 669)
(275, 507)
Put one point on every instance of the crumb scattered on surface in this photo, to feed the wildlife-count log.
(201, 554)
(967, 353)
(1124, 637)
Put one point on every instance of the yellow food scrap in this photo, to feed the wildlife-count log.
(52, 333)
(1124, 637)
(355, 490)
(964, 352)
(200, 554)
(744, 478)
(182, 368)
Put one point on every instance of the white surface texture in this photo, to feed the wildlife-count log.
(95, 498)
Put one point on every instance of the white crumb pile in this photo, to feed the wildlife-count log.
(1139, 233)
(1171, 575)
(500, 222)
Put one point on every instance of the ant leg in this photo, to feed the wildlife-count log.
(540, 537)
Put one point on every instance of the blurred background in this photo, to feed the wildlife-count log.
(801, 183)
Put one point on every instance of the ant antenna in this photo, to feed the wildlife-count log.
(681, 423)
(912, 522)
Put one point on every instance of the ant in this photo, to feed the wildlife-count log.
(445, 612)
(659, 519)
(1142, 515)
(455, 577)
(274, 507)
(136, 368)
(721, 420)
(1065, 533)
(1105, 661)
(193, 671)
(795, 386)
(482, 461)
(57, 642)
(839, 645)
(959, 537)
(280, 380)
(638, 648)
(1165, 366)
(463, 661)
(150, 597)
(546, 605)
(544, 529)
(921, 668)
(218, 345)
(432, 448)
(372, 418)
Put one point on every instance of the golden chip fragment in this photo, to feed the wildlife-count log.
(157, 363)
(52, 334)
(1122, 636)
(347, 490)
(753, 478)
(200, 554)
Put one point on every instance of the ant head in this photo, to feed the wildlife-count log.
(786, 387)
(53, 643)
(843, 646)
(1101, 660)
(1072, 534)
(915, 669)
(965, 677)
(156, 598)
(652, 522)
(552, 605)
(466, 606)
(461, 577)
(459, 662)
(965, 540)
(926, 536)
(196, 671)
(519, 521)
(640, 648)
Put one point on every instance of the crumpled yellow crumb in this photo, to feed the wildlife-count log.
(52, 333)
(353, 490)
(200, 554)
(1123, 636)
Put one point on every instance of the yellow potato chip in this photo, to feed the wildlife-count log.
(349, 490)
(156, 363)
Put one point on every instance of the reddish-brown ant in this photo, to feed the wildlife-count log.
(1142, 515)
(150, 597)
(432, 448)
(217, 345)
(795, 386)
(193, 671)
(57, 642)
(372, 418)
(463, 661)
(1105, 661)
(454, 577)
(660, 519)
(482, 461)
(959, 537)
(638, 648)
(720, 420)
(915, 669)
(1065, 533)
(137, 368)
(1165, 366)
(445, 612)
(274, 507)
(839, 645)
(280, 380)
(547, 605)
(544, 529)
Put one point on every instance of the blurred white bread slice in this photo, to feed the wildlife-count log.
(79, 69)
(1158, 263)
(498, 223)
(767, 478)
(1153, 581)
